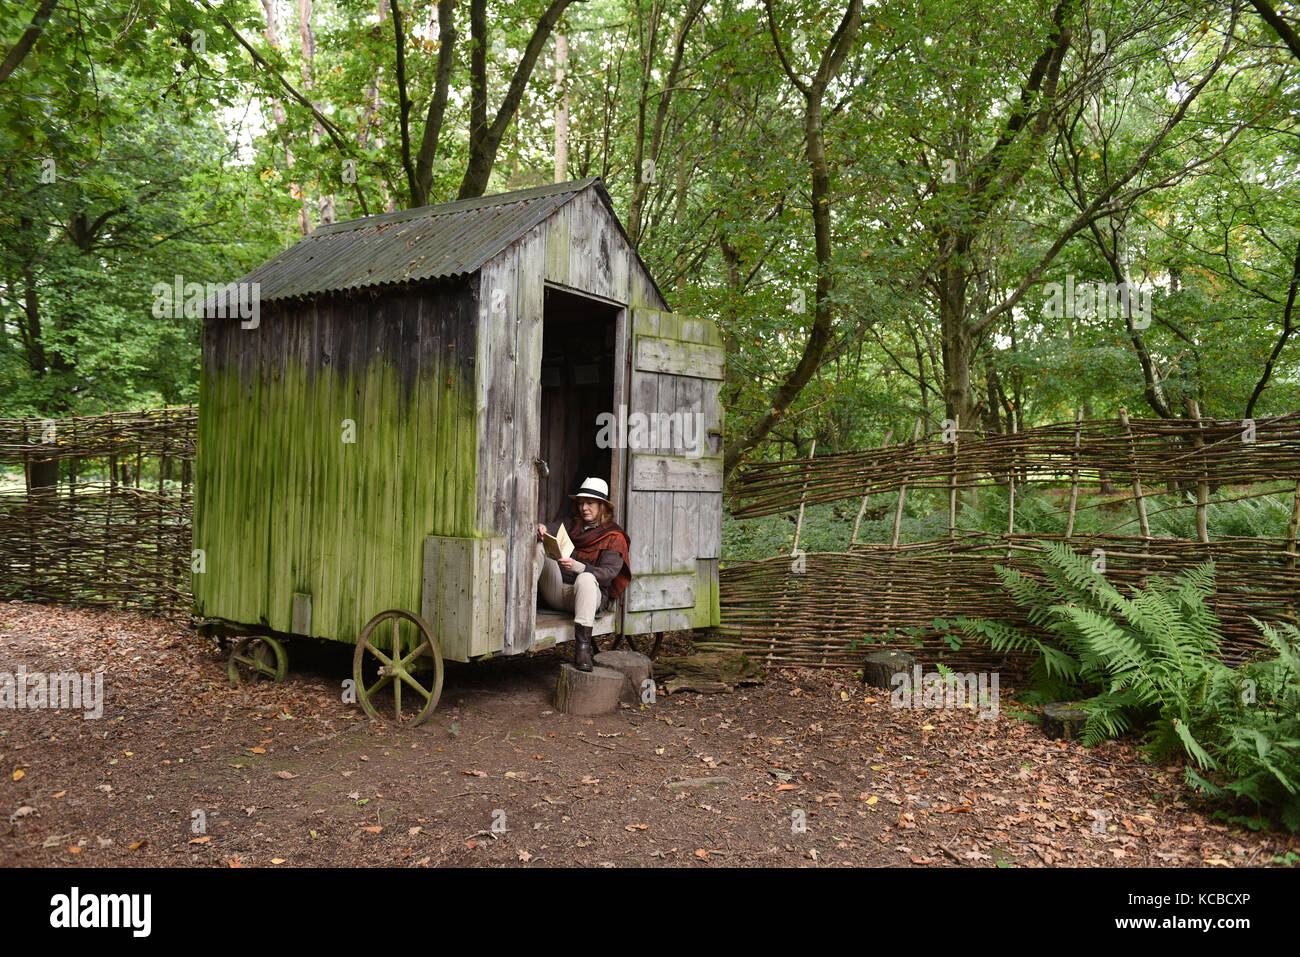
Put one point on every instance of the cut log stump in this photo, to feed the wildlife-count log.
(1063, 719)
(879, 667)
(635, 668)
(708, 673)
(588, 692)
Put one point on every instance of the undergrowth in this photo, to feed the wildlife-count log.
(1148, 661)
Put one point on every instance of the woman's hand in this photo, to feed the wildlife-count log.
(569, 565)
(541, 530)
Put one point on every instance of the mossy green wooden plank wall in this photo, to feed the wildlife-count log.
(284, 505)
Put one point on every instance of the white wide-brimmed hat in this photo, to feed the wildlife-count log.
(594, 488)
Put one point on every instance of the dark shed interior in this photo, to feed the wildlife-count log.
(577, 387)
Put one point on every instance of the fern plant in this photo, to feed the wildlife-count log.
(1246, 724)
(1150, 660)
(1127, 655)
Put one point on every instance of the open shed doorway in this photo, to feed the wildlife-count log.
(579, 374)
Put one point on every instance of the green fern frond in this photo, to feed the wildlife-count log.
(1201, 784)
(1198, 753)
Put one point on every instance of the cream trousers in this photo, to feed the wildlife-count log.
(582, 597)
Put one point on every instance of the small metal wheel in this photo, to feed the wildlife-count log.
(395, 669)
(255, 658)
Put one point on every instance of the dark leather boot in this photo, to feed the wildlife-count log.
(582, 647)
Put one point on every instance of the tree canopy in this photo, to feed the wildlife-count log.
(988, 212)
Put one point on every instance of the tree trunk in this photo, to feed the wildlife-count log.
(281, 117)
(18, 52)
(561, 108)
(819, 336)
(308, 40)
(484, 139)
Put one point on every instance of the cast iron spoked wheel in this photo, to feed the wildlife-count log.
(256, 658)
(396, 670)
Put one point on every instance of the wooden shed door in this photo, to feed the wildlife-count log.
(673, 493)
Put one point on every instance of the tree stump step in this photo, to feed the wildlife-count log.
(635, 668)
(588, 692)
(879, 667)
(1063, 720)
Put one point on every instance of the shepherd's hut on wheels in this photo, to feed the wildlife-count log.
(413, 394)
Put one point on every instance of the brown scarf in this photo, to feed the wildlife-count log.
(587, 546)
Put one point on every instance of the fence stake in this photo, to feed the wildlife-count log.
(798, 526)
(952, 490)
(863, 507)
(1203, 483)
(1137, 482)
(1292, 528)
(902, 490)
(1011, 493)
(1074, 472)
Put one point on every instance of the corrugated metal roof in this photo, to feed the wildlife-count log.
(430, 242)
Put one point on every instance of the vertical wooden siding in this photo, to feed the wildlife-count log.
(283, 505)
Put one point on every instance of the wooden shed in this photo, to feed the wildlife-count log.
(418, 390)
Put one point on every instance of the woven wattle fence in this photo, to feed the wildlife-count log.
(826, 609)
(843, 604)
(1154, 451)
(115, 529)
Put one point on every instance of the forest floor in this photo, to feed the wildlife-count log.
(809, 769)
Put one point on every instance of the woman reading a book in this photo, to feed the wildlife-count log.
(582, 564)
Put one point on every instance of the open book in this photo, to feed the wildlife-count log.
(558, 545)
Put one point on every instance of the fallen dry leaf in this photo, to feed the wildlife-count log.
(701, 853)
(258, 750)
(200, 840)
(476, 774)
(18, 774)
(285, 775)
(373, 828)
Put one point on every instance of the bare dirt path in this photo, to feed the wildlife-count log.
(810, 769)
